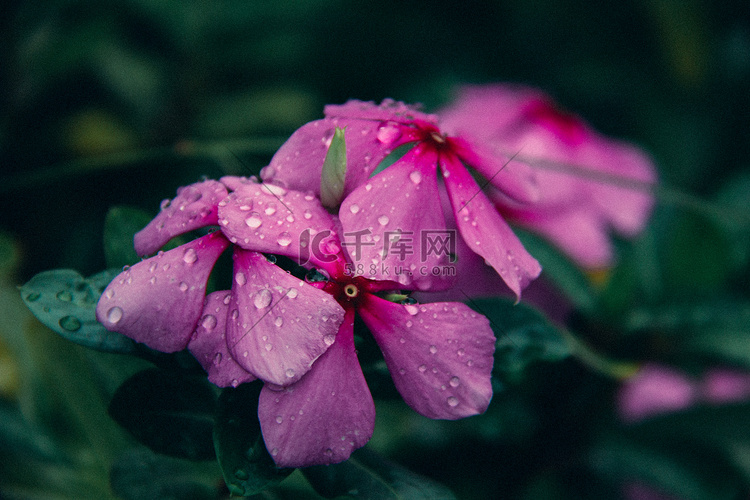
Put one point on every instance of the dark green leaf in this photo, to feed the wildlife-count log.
(248, 467)
(523, 335)
(120, 226)
(560, 270)
(168, 412)
(142, 475)
(66, 302)
(715, 330)
(392, 158)
(368, 476)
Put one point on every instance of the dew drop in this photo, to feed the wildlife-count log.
(289, 373)
(388, 133)
(284, 239)
(329, 339)
(307, 214)
(190, 256)
(183, 286)
(240, 278)
(271, 209)
(241, 474)
(409, 324)
(411, 309)
(422, 368)
(217, 359)
(368, 187)
(452, 401)
(209, 322)
(275, 452)
(247, 207)
(262, 298)
(32, 297)
(268, 347)
(70, 323)
(292, 293)
(415, 176)
(254, 221)
(109, 294)
(278, 321)
(354, 208)
(454, 381)
(461, 352)
(383, 220)
(279, 419)
(433, 349)
(290, 218)
(274, 189)
(114, 315)
(235, 382)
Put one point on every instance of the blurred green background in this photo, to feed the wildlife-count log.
(107, 103)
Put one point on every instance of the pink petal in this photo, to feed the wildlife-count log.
(325, 416)
(299, 162)
(278, 324)
(440, 355)
(485, 231)
(654, 390)
(193, 207)
(723, 385)
(159, 300)
(388, 110)
(268, 218)
(209, 343)
(393, 212)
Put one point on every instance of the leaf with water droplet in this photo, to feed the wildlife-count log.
(168, 411)
(65, 302)
(368, 475)
(334, 171)
(247, 466)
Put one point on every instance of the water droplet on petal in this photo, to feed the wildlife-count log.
(433, 349)
(383, 220)
(422, 368)
(388, 133)
(411, 309)
(240, 278)
(190, 256)
(289, 373)
(452, 402)
(415, 176)
(109, 294)
(329, 339)
(279, 419)
(70, 323)
(217, 359)
(284, 239)
(183, 286)
(307, 214)
(114, 315)
(278, 321)
(454, 381)
(254, 221)
(270, 209)
(274, 189)
(290, 218)
(354, 208)
(368, 187)
(209, 322)
(292, 293)
(262, 298)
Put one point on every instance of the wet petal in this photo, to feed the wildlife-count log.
(193, 207)
(278, 325)
(326, 415)
(209, 343)
(159, 300)
(440, 355)
(387, 110)
(268, 218)
(393, 223)
(485, 231)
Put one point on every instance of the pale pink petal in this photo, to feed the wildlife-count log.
(440, 355)
(278, 324)
(193, 207)
(271, 219)
(655, 389)
(209, 343)
(485, 231)
(159, 300)
(325, 416)
(394, 214)
(299, 162)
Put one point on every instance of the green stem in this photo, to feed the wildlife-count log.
(616, 369)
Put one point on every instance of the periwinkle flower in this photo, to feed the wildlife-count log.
(587, 184)
(294, 334)
(406, 196)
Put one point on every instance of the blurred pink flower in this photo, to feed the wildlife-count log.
(573, 209)
(405, 197)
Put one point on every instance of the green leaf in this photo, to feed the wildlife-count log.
(392, 158)
(334, 171)
(247, 466)
(66, 303)
(120, 226)
(169, 412)
(368, 476)
(560, 270)
(712, 331)
(523, 335)
(139, 474)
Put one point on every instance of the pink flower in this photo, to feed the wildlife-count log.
(404, 199)
(296, 335)
(575, 209)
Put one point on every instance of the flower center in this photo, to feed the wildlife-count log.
(437, 138)
(351, 290)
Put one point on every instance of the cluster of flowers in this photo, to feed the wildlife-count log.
(295, 332)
